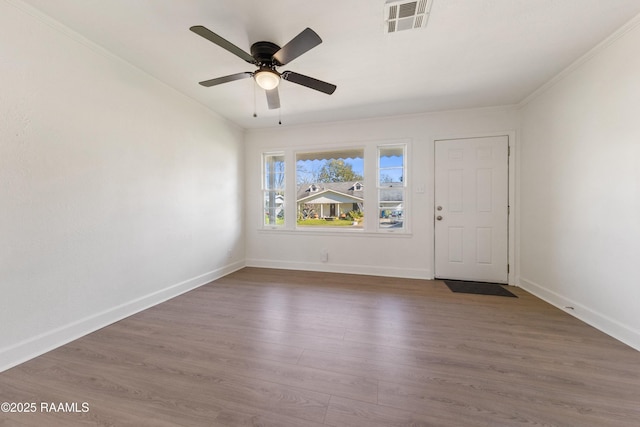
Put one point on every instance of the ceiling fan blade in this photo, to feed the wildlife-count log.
(273, 99)
(303, 42)
(225, 44)
(225, 79)
(309, 82)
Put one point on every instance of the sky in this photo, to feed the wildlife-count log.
(390, 166)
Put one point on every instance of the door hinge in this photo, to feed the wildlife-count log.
(508, 268)
(508, 150)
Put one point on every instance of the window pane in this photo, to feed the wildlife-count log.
(273, 172)
(391, 166)
(330, 189)
(274, 207)
(391, 208)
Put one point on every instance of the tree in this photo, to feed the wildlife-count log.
(388, 179)
(337, 170)
(306, 174)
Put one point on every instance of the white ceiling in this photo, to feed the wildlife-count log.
(473, 53)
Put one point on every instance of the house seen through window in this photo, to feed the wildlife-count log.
(330, 188)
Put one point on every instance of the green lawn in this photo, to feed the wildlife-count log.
(319, 222)
(325, 223)
(279, 221)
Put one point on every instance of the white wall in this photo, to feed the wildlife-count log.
(116, 192)
(580, 190)
(409, 255)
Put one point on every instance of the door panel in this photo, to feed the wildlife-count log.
(456, 244)
(471, 199)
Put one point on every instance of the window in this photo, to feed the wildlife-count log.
(391, 186)
(330, 189)
(273, 189)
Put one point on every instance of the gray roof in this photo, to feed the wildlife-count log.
(348, 188)
(388, 194)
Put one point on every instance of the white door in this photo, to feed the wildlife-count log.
(471, 209)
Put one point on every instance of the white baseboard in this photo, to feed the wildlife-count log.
(406, 273)
(598, 320)
(47, 341)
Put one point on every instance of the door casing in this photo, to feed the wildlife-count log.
(507, 174)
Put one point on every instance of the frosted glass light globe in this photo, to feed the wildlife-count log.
(267, 80)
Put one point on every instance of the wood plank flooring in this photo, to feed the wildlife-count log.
(282, 348)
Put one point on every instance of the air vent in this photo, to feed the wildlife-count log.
(401, 15)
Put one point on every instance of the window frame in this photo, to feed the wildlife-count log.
(278, 191)
(371, 188)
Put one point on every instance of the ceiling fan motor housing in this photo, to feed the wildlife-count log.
(263, 53)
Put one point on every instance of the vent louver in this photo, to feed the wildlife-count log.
(403, 15)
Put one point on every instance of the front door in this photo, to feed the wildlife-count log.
(471, 209)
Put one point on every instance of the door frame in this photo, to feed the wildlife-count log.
(513, 182)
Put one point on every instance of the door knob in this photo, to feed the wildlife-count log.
(439, 217)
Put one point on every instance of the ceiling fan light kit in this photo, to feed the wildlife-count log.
(267, 79)
(267, 56)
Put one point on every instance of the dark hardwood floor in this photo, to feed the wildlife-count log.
(282, 348)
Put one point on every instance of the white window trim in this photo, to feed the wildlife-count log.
(264, 189)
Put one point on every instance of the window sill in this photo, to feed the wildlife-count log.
(341, 233)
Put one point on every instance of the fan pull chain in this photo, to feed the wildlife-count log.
(280, 115)
(255, 107)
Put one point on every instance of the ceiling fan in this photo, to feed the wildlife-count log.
(267, 56)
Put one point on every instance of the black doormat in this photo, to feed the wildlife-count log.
(479, 288)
